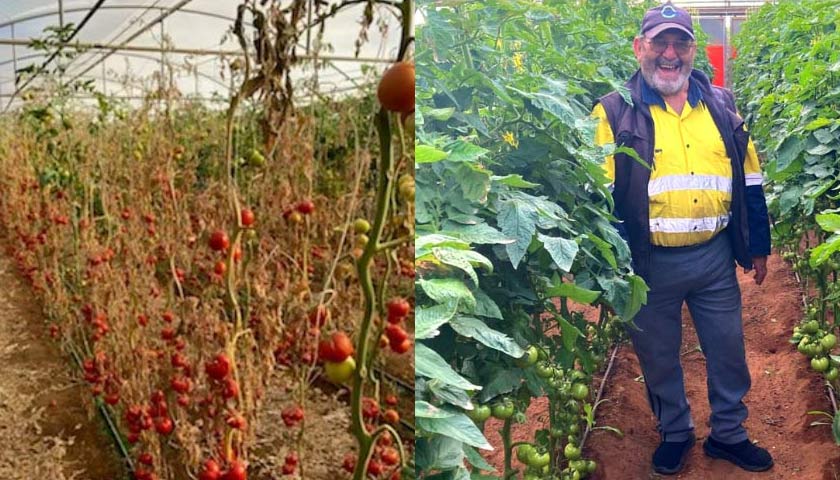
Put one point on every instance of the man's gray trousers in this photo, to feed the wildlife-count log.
(703, 276)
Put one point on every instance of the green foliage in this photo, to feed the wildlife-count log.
(787, 77)
(513, 215)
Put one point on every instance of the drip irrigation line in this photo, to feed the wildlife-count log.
(600, 393)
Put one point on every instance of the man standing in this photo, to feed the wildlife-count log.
(695, 209)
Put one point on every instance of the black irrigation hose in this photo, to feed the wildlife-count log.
(109, 422)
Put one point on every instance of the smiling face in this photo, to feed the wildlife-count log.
(667, 71)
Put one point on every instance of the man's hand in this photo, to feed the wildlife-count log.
(760, 267)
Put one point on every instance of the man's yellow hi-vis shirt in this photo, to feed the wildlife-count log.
(690, 187)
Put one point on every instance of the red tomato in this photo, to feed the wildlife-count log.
(210, 470)
(398, 308)
(231, 389)
(395, 333)
(145, 458)
(401, 347)
(396, 88)
(291, 458)
(164, 425)
(220, 267)
(218, 368)
(219, 240)
(247, 217)
(236, 471)
(391, 400)
(374, 468)
(390, 456)
(342, 346)
(305, 207)
(391, 416)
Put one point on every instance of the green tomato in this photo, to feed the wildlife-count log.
(524, 453)
(831, 374)
(361, 226)
(578, 375)
(571, 452)
(579, 391)
(828, 341)
(529, 358)
(574, 429)
(591, 466)
(544, 370)
(503, 410)
(479, 413)
(811, 326)
(256, 159)
(819, 364)
(539, 460)
(340, 372)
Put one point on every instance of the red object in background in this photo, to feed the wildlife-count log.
(715, 53)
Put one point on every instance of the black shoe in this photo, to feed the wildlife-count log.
(669, 458)
(744, 454)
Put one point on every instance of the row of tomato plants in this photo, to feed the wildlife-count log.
(787, 77)
(178, 277)
(514, 233)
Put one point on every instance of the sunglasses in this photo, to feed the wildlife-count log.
(682, 47)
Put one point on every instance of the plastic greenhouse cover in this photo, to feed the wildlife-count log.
(198, 24)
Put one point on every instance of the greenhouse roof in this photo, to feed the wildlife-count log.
(129, 41)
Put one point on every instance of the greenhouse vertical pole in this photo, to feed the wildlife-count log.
(14, 50)
(162, 54)
(61, 13)
(104, 80)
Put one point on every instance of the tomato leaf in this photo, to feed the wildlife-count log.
(428, 154)
(449, 394)
(481, 233)
(562, 250)
(835, 428)
(427, 320)
(518, 220)
(570, 333)
(476, 460)
(503, 382)
(439, 453)
(476, 329)
(574, 292)
(485, 306)
(514, 180)
(447, 290)
(430, 364)
(458, 427)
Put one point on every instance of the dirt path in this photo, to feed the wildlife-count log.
(783, 390)
(45, 432)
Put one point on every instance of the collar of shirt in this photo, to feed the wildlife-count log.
(652, 97)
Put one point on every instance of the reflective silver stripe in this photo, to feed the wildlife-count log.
(688, 225)
(754, 179)
(670, 183)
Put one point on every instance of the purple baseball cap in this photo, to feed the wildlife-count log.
(665, 17)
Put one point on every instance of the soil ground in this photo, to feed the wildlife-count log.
(783, 390)
(45, 432)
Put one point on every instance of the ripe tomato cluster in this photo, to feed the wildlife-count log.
(395, 335)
